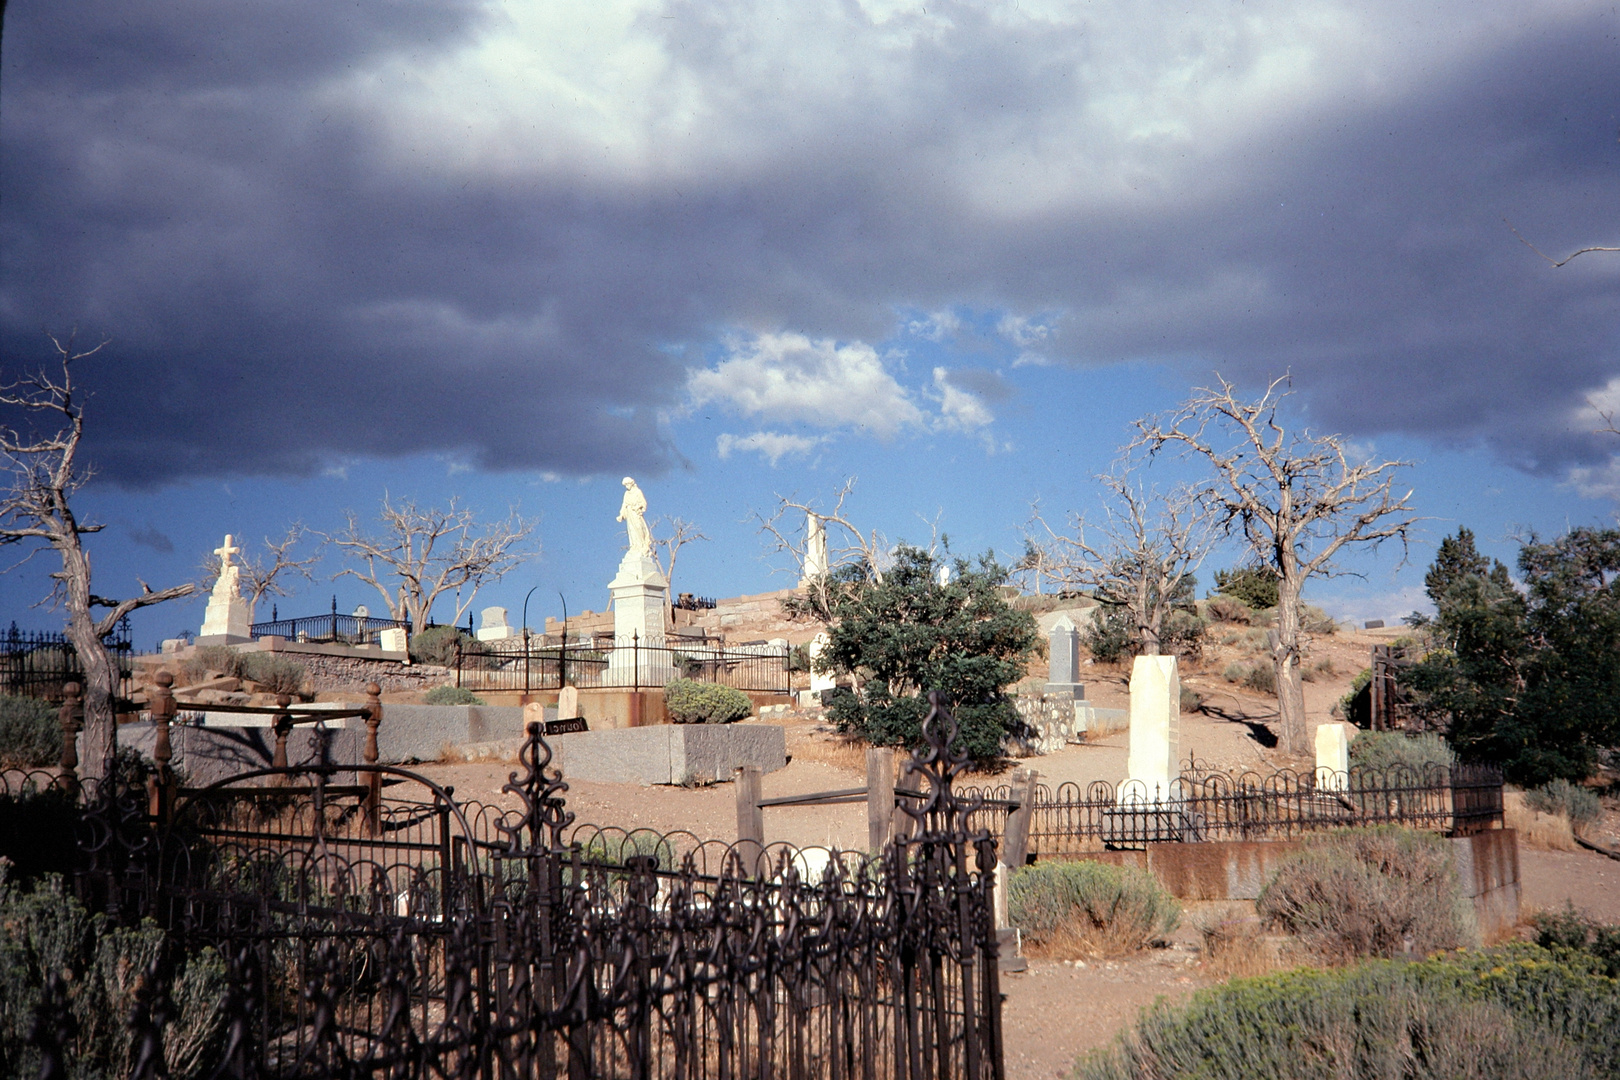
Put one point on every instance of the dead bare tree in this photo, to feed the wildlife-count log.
(1297, 498)
(1035, 564)
(422, 554)
(667, 547)
(1141, 557)
(1556, 262)
(45, 477)
(264, 575)
(849, 548)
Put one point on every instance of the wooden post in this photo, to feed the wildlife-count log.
(879, 797)
(71, 717)
(369, 755)
(160, 789)
(1015, 841)
(750, 816)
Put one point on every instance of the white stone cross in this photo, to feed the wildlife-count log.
(226, 552)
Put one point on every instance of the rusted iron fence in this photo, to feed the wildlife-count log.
(1205, 804)
(384, 928)
(39, 664)
(628, 663)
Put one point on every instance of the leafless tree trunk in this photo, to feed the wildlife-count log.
(1144, 551)
(423, 554)
(1297, 499)
(666, 549)
(264, 575)
(37, 510)
(847, 545)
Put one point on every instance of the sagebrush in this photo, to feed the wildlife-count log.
(451, 695)
(275, 674)
(1376, 892)
(1560, 796)
(691, 702)
(30, 733)
(1089, 908)
(1384, 750)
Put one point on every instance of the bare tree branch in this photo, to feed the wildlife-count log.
(847, 545)
(1556, 262)
(1296, 498)
(667, 548)
(265, 575)
(1140, 556)
(422, 554)
(45, 476)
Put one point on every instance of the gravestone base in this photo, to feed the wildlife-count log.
(669, 753)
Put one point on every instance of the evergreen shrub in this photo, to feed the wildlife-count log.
(691, 702)
(30, 733)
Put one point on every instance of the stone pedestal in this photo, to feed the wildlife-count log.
(228, 621)
(640, 613)
(1063, 648)
(1155, 729)
(1332, 757)
(492, 625)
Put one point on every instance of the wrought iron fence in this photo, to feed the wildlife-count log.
(633, 663)
(333, 629)
(384, 929)
(1206, 804)
(39, 663)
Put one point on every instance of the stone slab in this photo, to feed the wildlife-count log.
(206, 755)
(420, 732)
(670, 753)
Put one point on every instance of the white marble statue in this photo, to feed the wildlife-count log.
(229, 582)
(633, 512)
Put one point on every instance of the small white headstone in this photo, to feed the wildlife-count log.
(393, 639)
(820, 681)
(362, 612)
(1332, 756)
(492, 625)
(1155, 728)
(944, 575)
(568, 703)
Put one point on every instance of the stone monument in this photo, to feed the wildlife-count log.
(1063, 647)
(820, 681)
(394, 640)
(1155, 729)
(640, 602)
(229, 618)
(815, 549)
(1332, 757)
(492, 625)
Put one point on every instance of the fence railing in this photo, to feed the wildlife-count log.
(1205, 804)
(331, 629)
(40, 663)
(629, 663)
(386, 929)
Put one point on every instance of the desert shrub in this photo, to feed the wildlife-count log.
(221, 658)
(1254, 586)
(1383, 750)
(692, 702)
(1234, 672)
(437, 645)
(30, 734)
(49, 933)
(1326, 668)
(1570, 929)
(1227, 609)
(1576, 803)
(1260, 619)
(1519, 1012)
(1191, 700)
(1384, 891)
(451, 695)
(1313, 620)
(799, 658)
(1089, 908)
(277, 674)
(1261, 678)
(1110, 638)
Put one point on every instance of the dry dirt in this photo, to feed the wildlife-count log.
(1055, 1010)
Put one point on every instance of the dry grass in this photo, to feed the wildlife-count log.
(830, 748)
(1236, 946)
(1538, 831)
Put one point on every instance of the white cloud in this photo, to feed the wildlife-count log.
(1023, 330)
(959, 409)
(1392, 606)
(1597, 482)
(789, 377)
(936, 326)
(770, 445)
(1601, 407)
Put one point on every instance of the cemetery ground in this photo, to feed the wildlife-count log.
(1057, 1008)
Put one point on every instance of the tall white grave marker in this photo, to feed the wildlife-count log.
(640, 602)
(815, 549)
(820, 681)
(1332, 756)
(1155, 728)
(229, 618)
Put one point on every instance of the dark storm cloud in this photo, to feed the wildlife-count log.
(282, 293)
(152, 537)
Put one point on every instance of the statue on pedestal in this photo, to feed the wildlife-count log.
(633, 512)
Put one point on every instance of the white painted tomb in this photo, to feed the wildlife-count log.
(1155, 736)
(1332, 756)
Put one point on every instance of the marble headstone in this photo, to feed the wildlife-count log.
(1063, 646)
(1155, 728)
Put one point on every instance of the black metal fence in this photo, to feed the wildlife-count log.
(385, 929)
(38, 664)
(1205, 804)
(529, 665)
(333, 629)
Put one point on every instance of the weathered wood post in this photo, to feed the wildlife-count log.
(283, 727)
(71, 717)
(369, 756)
(160, 788)
(1015, 841)
(879, 797)
(750, 817)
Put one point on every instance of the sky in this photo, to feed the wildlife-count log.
(511, 252)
